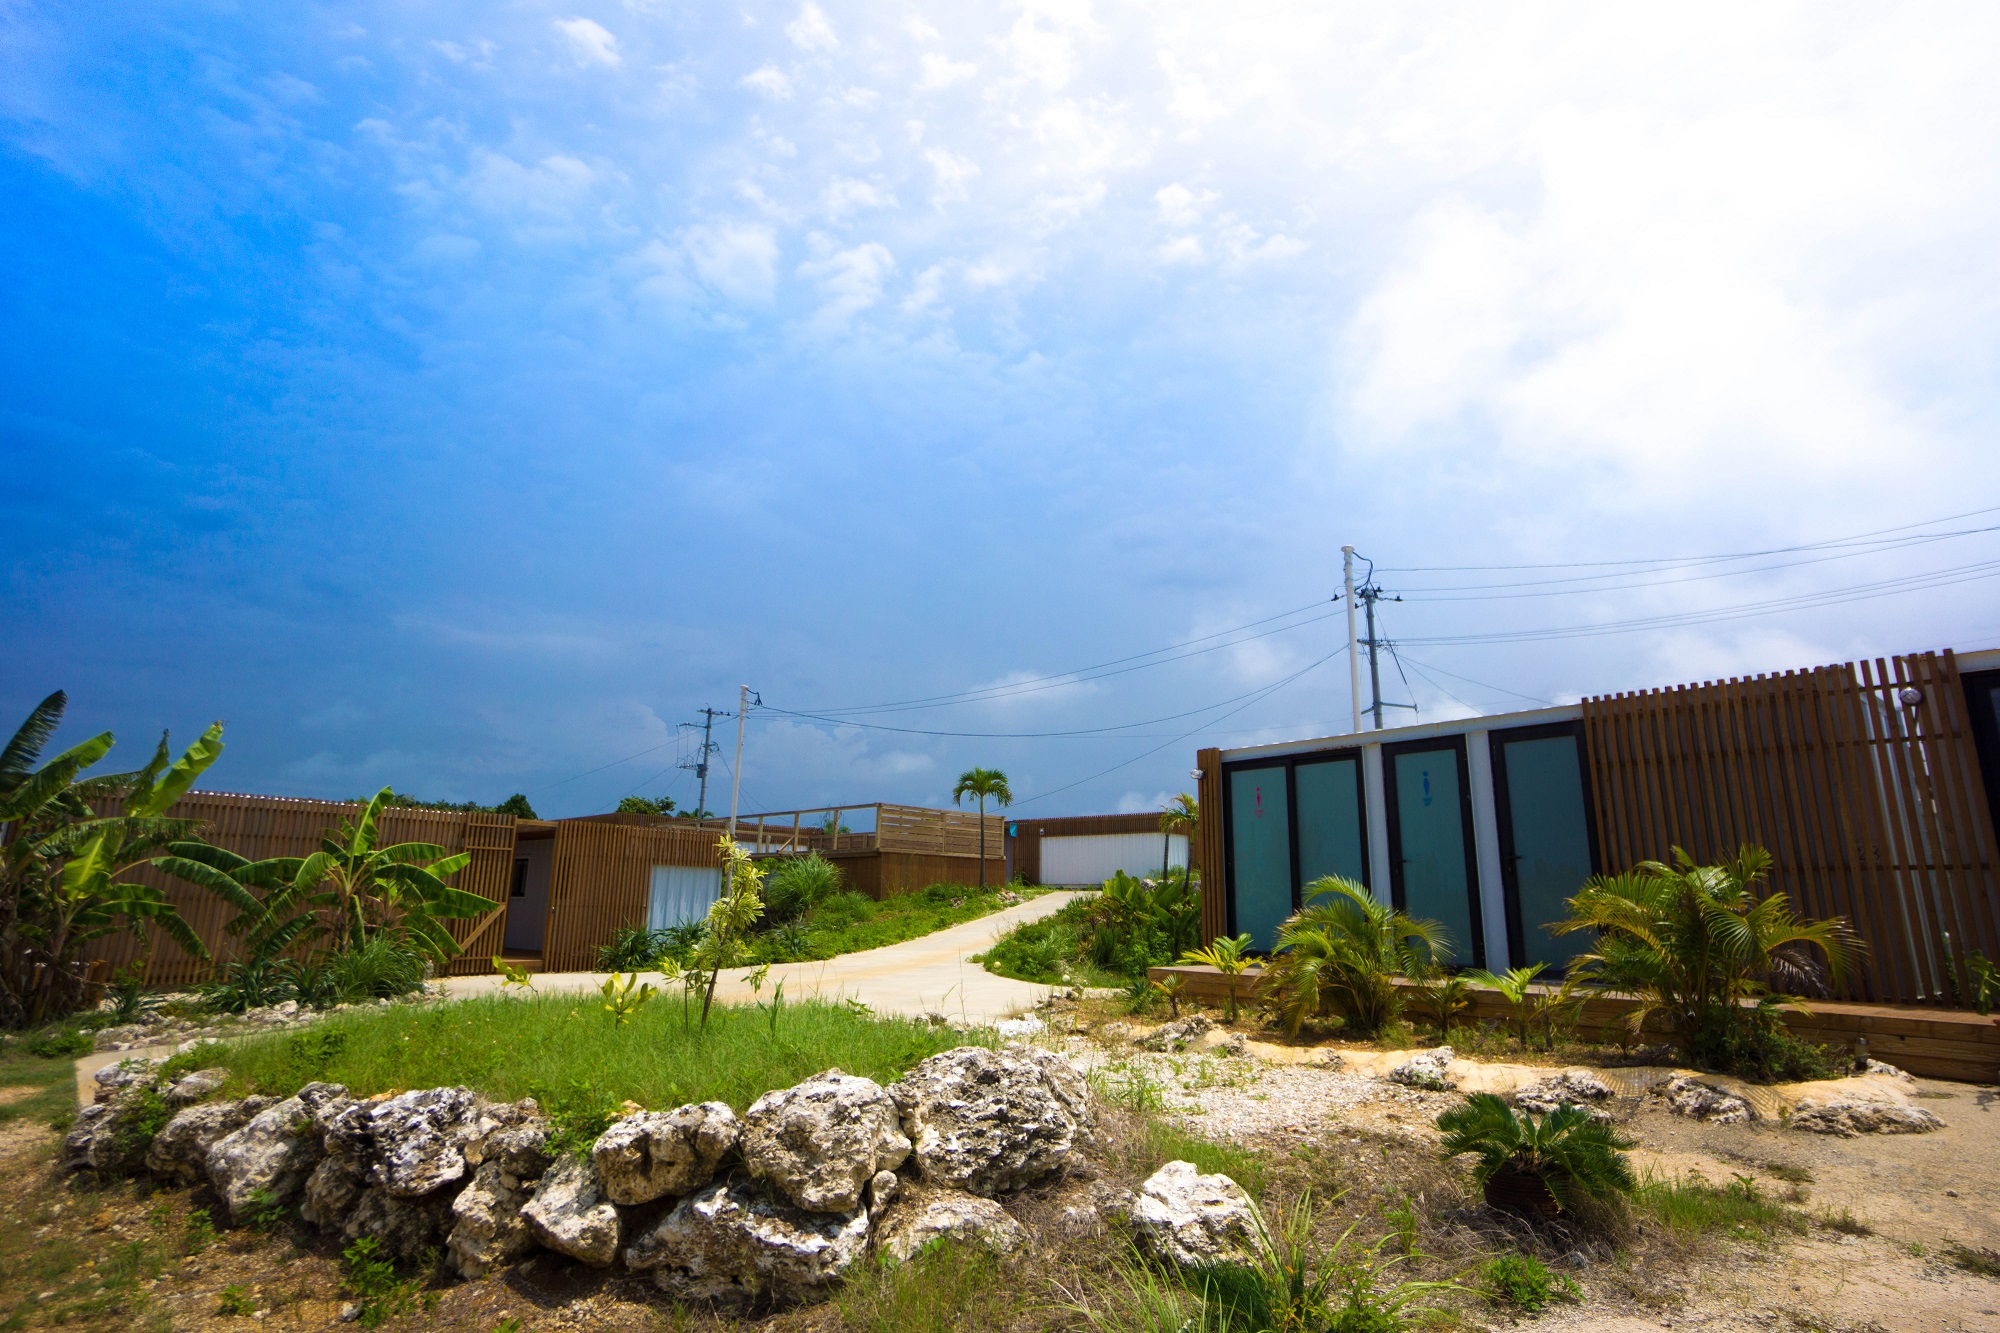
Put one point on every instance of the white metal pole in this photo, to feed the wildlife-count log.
(736, 772)
(1353, 657)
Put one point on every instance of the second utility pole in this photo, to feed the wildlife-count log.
(736, 770)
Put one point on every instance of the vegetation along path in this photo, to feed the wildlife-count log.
(929, 974)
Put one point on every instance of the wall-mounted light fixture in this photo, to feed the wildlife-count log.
(1910, 696)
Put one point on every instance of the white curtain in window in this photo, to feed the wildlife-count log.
(681, 894)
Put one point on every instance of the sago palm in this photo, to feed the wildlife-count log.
(1228, 955)
(1703, 948)
(1574, 1153)
(982, 783)
(1342, 948)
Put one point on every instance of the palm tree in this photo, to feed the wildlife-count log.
(1704, 949)
(982, 782)
(1182, 816)
(1343, 946)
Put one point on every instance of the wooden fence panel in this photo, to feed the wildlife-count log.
(601, 879)
(916, 828)
(1861, 780)
(260, 827)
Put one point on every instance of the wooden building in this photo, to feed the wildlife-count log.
(1077, 851)
(561, 888)
(1873, 784)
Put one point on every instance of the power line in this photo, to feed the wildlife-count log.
(1035, 684)
(1486, 685)
(1265, 694)
(1698, 559)
(1019, 735)
(1676, 620)
(1633, 579)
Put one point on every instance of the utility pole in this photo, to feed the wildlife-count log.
(1353, 657)
(743, 694)
(1370, 593)
(700, 764)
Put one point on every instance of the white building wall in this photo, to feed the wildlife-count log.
(1092, 858)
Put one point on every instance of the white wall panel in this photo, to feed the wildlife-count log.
(1092, 858)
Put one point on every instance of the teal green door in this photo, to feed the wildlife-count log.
(1260, 853)
(1332, 833)
(1544, 841)
(1430, 843)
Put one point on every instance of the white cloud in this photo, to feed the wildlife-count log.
(1180, 206)
(770, 81)
(844, 195)
(850, 281)
(811, 31)
(953, 173)
(737, 259)
(941, 71)
(1181, 250)
(590, 43)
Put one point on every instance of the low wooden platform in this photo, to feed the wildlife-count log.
(1934, 1043)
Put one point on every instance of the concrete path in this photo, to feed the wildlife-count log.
(928, 974)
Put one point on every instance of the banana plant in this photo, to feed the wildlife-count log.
(61, 861)
(349, 891)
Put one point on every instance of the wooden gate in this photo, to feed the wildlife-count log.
(1861, 780)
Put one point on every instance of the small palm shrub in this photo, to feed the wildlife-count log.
(1441, 998)
(1714, 957)
(797, 885)
(1525, 1282)
(1227, 955)
(1538, 1165)
(1341, 949)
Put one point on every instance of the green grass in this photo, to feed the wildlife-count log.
(1160, 1143)
(1050, 952)
(566, 1051)
(52, 1084)
(1690, 1208)
(851, 922)
(943, 1288)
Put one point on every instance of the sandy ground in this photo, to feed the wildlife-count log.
(1913, 1193)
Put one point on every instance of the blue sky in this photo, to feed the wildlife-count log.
(457, 397)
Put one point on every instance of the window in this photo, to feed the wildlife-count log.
(1547, 847)
(1982, 694)
(681, 895)
(1289, 822)
(1430, 841)
(1260, 845)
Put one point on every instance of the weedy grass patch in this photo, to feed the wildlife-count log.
(562, 1048)
(1690, 1208)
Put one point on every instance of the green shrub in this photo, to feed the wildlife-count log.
(235, 1300)
(1525, 1282)
(1578, 1156)
(384, 968)
(371, 1279)
(1340, 951)
(1296, 1284)
(1712, 954)
(842, 910)
(247, 983)
(61, 1043)
(797, 885)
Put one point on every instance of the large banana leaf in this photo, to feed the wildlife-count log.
(161, 792)
(52, 779)
(29, 738)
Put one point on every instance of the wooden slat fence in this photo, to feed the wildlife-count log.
(601, 879)
(916, 828)
(1206, 853)
(259, 827)
(1860, 779)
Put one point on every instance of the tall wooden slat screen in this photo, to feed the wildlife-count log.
(259, 827)
(601, 879)
(1206, 853)
(1860, 779)
(916, 828)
